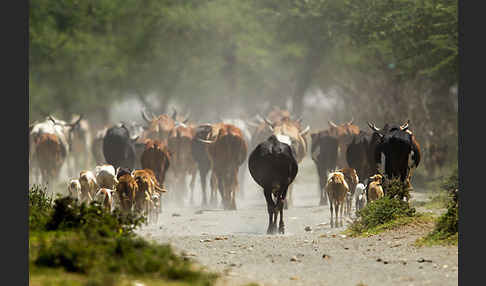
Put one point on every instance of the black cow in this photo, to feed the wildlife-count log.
(358, 155)
(324, 151)
(119, 147)
(396, 143)
(273, 166)
(200, 154)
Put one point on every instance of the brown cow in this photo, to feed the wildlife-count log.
(156, 157)
(148, 186)
(182, 161)
(344, 133)
(352, 180)
(49, 155)
(126, 189)
(204, 134)
(337, 190)
(291, 129)
(227, 152)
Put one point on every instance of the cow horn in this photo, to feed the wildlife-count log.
(145, 117)
(332, 124)
(251, 123)
(77, 121)
(303, 132)
(405, 126)
(51, 119)
(205, 141)
(373, 127)
(351, 122)
(268, 121)
(259, 118)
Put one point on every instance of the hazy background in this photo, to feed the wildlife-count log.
(379, 61)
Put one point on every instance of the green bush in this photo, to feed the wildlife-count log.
(87, 239)
(446, 228)
(92, 219)
(395, 188)
(40, 206)
(380, 212)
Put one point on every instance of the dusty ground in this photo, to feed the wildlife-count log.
(234, 244)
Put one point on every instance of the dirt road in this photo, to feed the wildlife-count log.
(234, 244)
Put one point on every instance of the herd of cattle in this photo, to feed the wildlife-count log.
(131, 161)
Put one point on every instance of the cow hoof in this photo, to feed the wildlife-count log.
(281, 230)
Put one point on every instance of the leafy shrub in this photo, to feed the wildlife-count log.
(380, 212)
(93, 219)
(446, 228)
(394, 188)
(40, 205)
(87, 239)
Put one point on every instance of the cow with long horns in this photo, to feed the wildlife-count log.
(227, 153)
(397, 144)
(344, 133)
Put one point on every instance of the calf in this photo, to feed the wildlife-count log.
(375, 189)
(74, 189)
(336, 189)
(106, 176)
(126, 189)
(147, 188)
(105, 197)
(352, 180)
(360, 196)
(273, 166)
(89, 186)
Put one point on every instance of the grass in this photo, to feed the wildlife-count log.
(387, 213)
(48, 276)
(437, 200)
(418, 219)
(95, 247)
(446, 228)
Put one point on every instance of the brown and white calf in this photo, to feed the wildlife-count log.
(105, 197)
(337, 189)
(89, 186)
(74, 189)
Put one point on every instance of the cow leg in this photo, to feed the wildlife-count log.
(283, 194)
(288, 199)
(214, 190)
(234, 189)
(221, 189)
(336, 213)
(203, 173)
(271, 210)
(322, 183)
(331, 208)
(341, 218)
(191, 185)
(242, 176)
